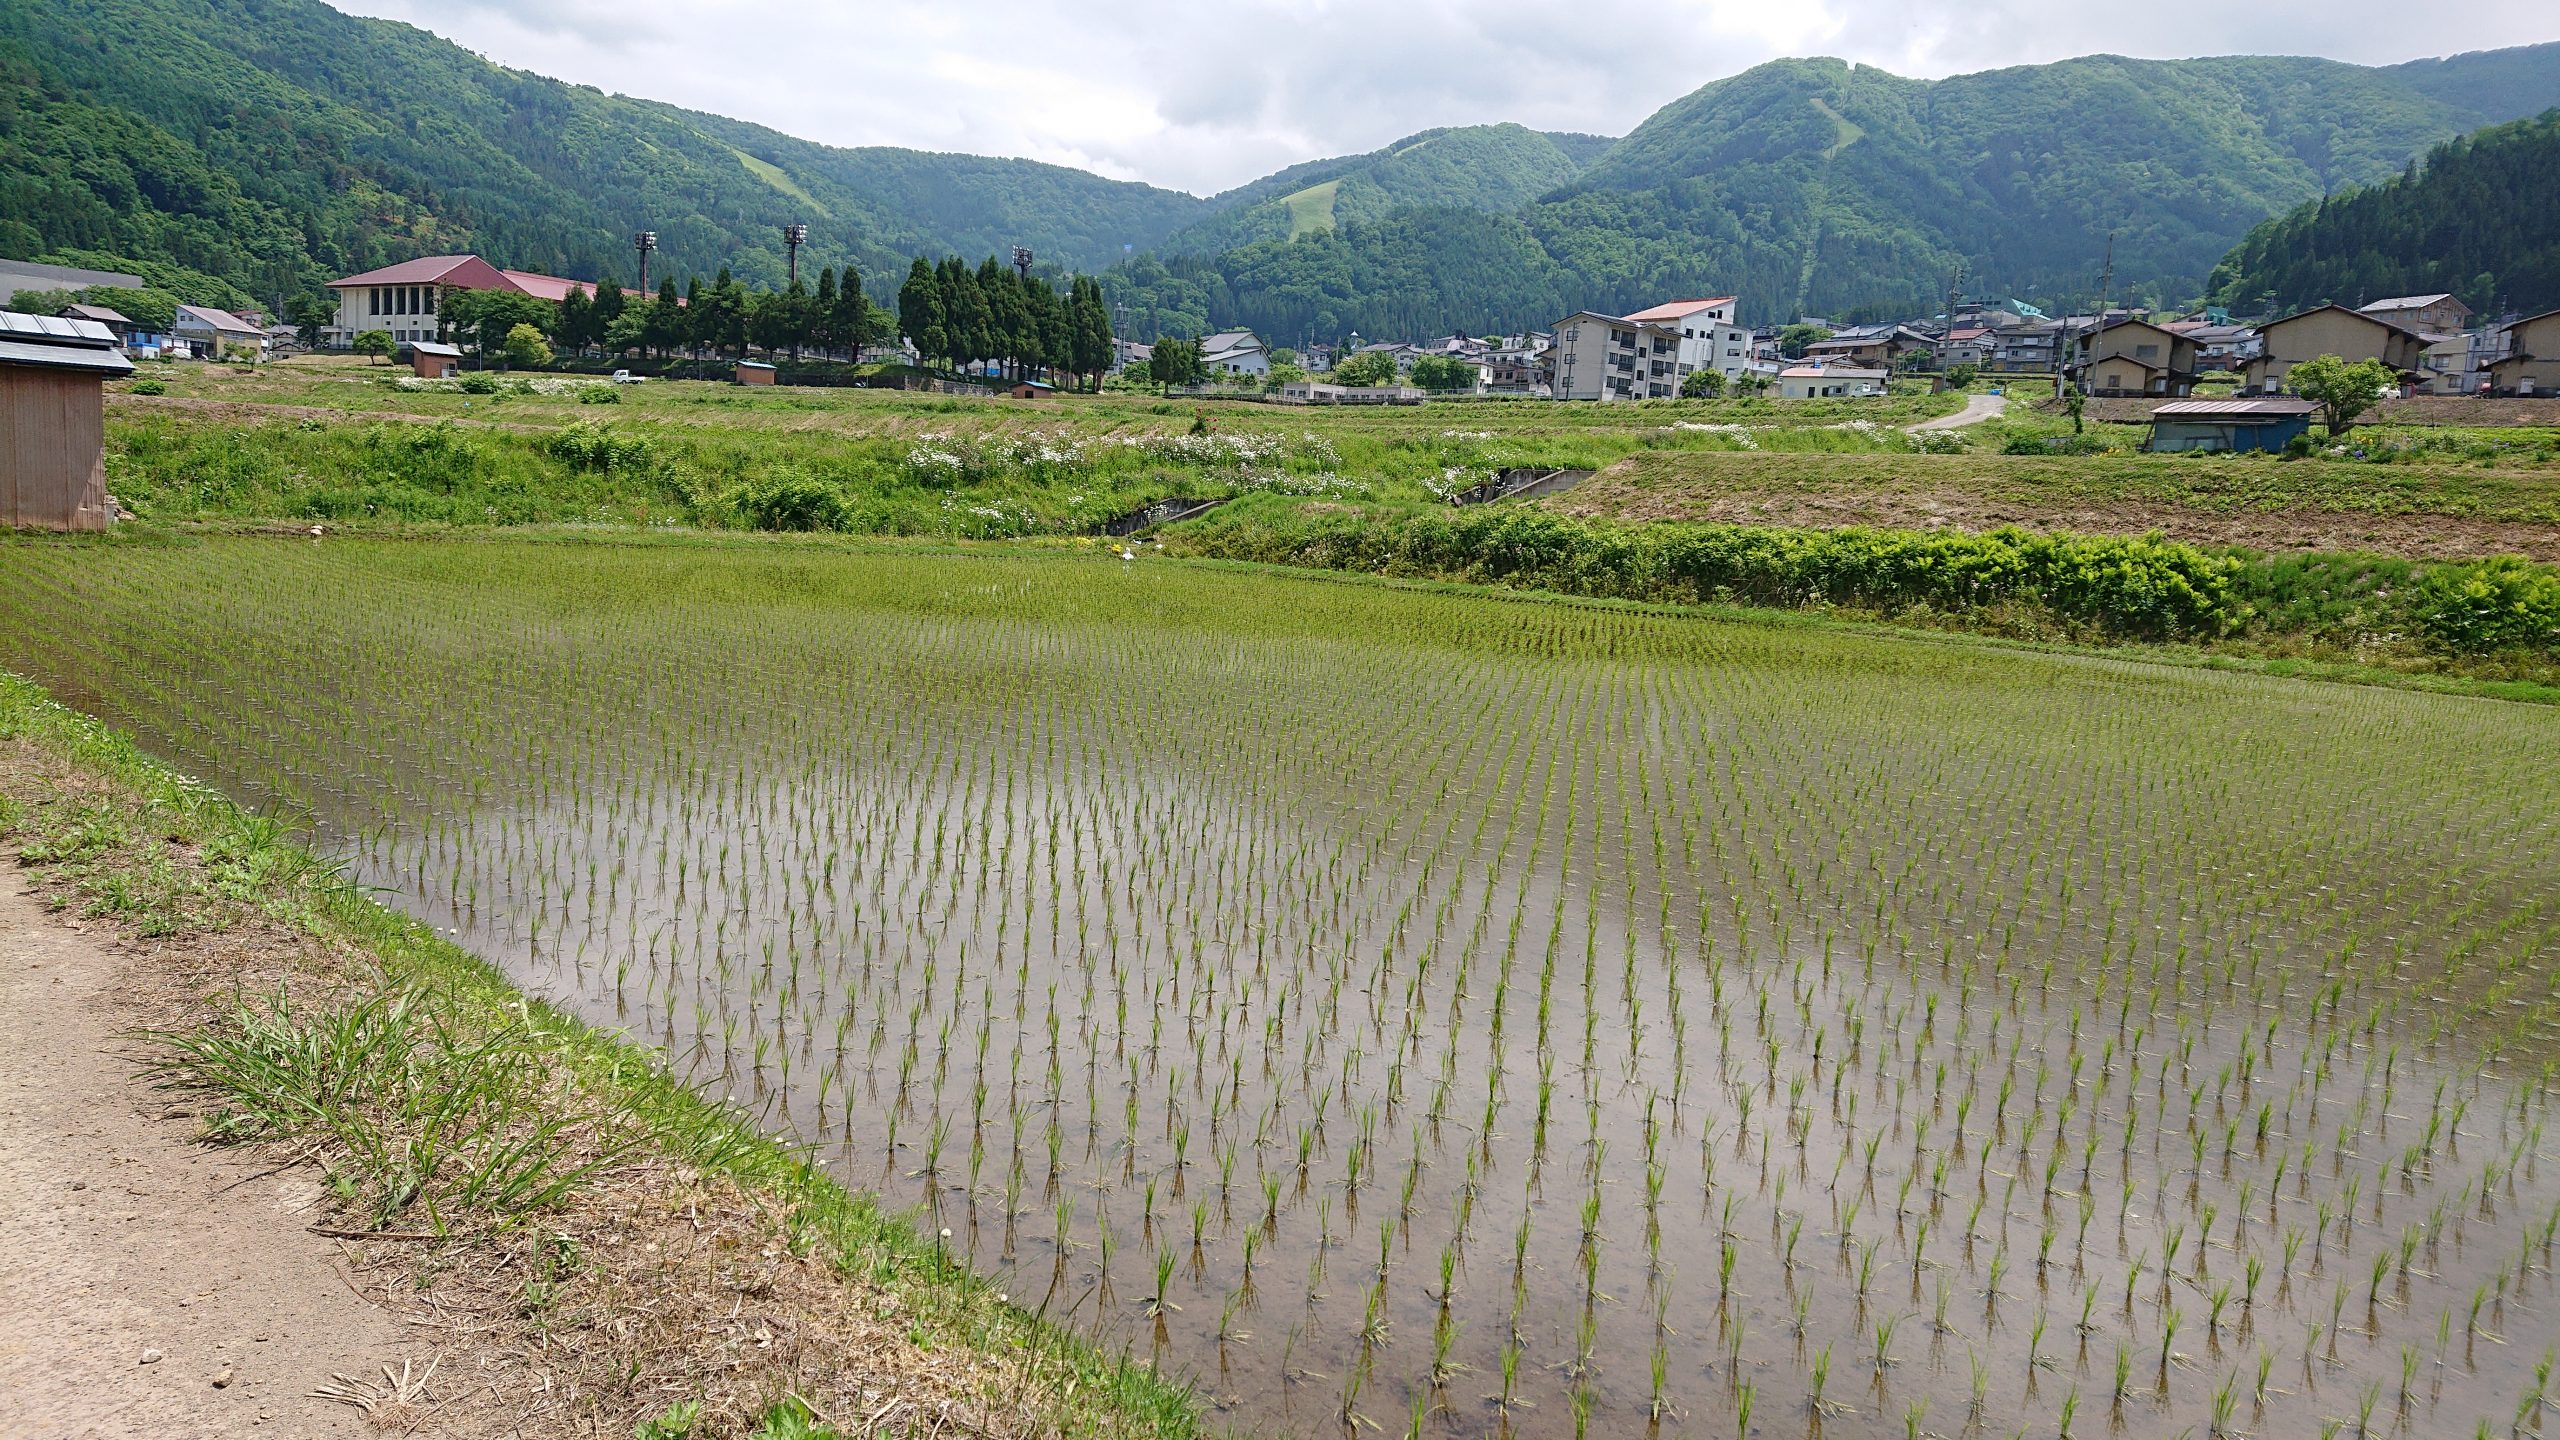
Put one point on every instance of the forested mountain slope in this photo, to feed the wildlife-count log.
(2480, 220)
(277, 142)
(1816, 185)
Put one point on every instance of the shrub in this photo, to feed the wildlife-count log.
(478, 382)
(594, 447)
(597, 395)
(793, 501)
(2503, 603)
(148, 386)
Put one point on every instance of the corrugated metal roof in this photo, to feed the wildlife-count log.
(38, 355)
(2231, 409)
(55, 330)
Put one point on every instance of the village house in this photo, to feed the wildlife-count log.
(1130, 355)
(209, 334)
(1832, 382)
(2426, 314)
(2030, 347)
(1871, 346)
(1964, 345)
(403, 300)
(1709, 337)
(1235, 352)
(2331, 330)
(2134, 357)
(2532, 362)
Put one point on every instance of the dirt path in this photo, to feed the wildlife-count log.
(150, 1285)
(1977, 408)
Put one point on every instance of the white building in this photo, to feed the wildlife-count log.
(206, 333)
(1832, 382)
(402, 300)
(1709, 337)
(1235, 352)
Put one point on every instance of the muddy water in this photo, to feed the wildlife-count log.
(1521, 1019)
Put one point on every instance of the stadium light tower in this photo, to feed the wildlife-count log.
(793, 237)
(644, 242)
(1022, 262)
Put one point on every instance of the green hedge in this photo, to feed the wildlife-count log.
(2128, 587)
(2133, 587)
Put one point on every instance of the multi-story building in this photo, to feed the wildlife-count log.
(1609, 357)
(2332, 330)
(403, 300)
(2426, 314)
(1709, 337)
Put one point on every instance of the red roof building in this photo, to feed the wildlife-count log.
(403, 299)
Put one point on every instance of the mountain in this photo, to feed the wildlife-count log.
(1821, 186)
(275, 143)
(1493, 168)
(270, 144)
(2478, 221)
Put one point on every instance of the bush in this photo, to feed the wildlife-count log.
(147, 387)
(596, 395)
(478, 382)
(594, 447)
(793, 501)
(2504, 603)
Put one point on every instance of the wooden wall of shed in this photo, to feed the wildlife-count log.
(53, 472)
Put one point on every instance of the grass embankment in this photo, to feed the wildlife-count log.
(2494, 619)
(853, 461)
(609, 1248)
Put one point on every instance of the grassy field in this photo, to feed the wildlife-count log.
(1461, 1015)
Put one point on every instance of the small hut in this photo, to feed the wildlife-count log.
(2184, 427)
(756, 372)
(1030, 390)
(53, 473)
(433, 361)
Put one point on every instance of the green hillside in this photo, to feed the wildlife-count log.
(2479, 220)
(1492, 168)
(1816, 185)
(277, 142)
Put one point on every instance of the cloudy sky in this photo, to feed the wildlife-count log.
(1201, 95)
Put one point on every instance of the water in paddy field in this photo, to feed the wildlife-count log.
(1496, 1017)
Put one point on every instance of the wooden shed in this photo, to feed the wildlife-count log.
(433, 361)
(53, 473)
(756, 372)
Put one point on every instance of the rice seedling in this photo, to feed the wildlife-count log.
(1325, 942)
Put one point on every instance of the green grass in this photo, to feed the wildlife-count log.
(1311, 209)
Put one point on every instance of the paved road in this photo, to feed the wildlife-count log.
(1977, 408)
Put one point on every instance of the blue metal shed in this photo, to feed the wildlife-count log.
(2186, 426)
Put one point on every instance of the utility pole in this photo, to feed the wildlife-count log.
(1022, 263)
(644, 242)
(793, 237)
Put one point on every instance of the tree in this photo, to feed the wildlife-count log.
(1090, 346)
(663, 327)
(2342, 391)
(1960, 376)
(525, 349)
(969, 319)
(852, 326)
(1443, 374)
(1793, 339)
(482, 319)
(822, 312)
(1702, 385)
(575, 327)
(1176, 362)
(920, 316)
(376, 343)
(610, 303)
(2076, 405)
(310, 314)
(1365, 368)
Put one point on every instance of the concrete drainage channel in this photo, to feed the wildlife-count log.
(1163, 512)
(1523, 484)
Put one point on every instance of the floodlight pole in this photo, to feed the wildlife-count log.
(644, 242)
(1022, 262)
(793, 237)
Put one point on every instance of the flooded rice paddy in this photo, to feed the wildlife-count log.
(1462, 1016)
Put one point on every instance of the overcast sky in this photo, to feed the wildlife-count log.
(1202, 95)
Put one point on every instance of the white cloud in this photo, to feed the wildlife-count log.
(1204, 97)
